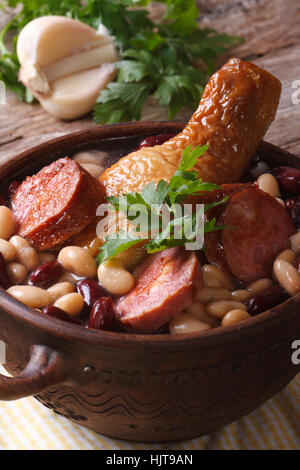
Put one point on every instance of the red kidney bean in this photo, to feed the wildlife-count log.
(46, 273)
(266, 299)
(56, 312)
(12, 188)
(155, 140)
(90, 290)
(5, 281)
(288, 179)
(293, 208)
(103, 315)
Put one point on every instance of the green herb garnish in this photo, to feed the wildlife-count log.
(158, 58)
(180, 229)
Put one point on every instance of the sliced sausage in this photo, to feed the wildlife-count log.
(258, 230)
(56, 203)
(212, 241)
(226, 190)
(166, 284)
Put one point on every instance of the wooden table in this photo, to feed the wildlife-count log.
(272, 37)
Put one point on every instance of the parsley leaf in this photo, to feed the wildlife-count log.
(190, 156)
(185, 182)
(152, 195)
(154, 201)
(121, 102)
(113, 247)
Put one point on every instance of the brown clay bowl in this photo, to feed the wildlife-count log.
(137, 387)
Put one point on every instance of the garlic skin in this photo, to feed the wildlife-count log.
(65, 64)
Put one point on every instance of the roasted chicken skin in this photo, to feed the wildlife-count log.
(236, 109)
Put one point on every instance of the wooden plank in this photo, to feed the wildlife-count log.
(285, 130)
(271, 32)
(266, 25)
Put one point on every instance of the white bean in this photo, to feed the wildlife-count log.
(133, 256)
(211, 281)
(219, 308)
(7, 222)
(89, 156)
(93, 169)
(17, 272)
(115, 278)
(68, 277)
(240, 295)
(59, 290)
(286, 255)
(72, 303)
(25, 253)
(32, 296)
(234, 316)
(287, 276)
(186, 323)
(7, 250)
(198, 310)
(259, 285)
(267, 183)
(28, 257)
(209, 294)
(19, 242)
(295, 243)
(78, 261)
(215, 277)
(46, 256)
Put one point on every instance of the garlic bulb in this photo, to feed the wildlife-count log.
(65, 64)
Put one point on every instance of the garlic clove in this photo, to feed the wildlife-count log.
(65, 63)
(102, 54)
(49, 39)
(75, 95)
(33, 78)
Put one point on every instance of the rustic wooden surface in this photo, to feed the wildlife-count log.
(272, 34)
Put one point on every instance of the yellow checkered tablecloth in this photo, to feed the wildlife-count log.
(26, 424)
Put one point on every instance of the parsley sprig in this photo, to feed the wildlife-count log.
(150, 201)
(157, 58)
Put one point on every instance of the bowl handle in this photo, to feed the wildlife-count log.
(46, 368)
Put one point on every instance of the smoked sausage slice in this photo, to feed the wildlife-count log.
(212, 241)
(166, 284)
(225, 190)
(56, 203)
(261, 228)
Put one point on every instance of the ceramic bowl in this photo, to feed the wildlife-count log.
(143, 387)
